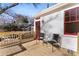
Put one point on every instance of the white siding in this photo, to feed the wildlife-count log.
(56, 25)
(53, 23)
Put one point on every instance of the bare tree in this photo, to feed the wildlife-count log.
(35, 4)
(2, 10)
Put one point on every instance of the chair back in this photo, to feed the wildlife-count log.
(42, 35)
(56, 37)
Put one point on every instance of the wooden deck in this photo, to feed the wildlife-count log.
(40, 49)
(33, 48)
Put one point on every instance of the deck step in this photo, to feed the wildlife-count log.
(10, 50)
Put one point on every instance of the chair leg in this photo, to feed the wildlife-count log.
(70, 52)
(52, 48)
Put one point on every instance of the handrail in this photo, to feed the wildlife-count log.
(14, 37)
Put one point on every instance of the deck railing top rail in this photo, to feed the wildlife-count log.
(10, 38)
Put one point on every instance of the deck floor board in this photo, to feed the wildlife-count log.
(40, 49)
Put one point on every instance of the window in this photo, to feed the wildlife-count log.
(66, 13)
(66, 19)
(71, 23)
(70, 28)
(72, 12)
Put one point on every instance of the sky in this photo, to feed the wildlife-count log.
(29, 9)
(26, 9)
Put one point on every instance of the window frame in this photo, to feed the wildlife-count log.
(76, 21)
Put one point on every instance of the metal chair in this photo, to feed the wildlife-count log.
(42, 36)
(55, 41)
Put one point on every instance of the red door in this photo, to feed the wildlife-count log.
(37, 23)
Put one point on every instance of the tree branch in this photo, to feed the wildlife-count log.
(3, 10)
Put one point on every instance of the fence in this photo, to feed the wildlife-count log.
(13, 38)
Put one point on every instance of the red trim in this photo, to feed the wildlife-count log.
(64, 24)
(69, 35)
(37, 35)
(71, 21)
(76, 20)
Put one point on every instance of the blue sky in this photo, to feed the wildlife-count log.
(28, 9)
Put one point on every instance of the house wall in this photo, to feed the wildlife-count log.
(54, 23)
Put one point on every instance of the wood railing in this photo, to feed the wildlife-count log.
(13, 38)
